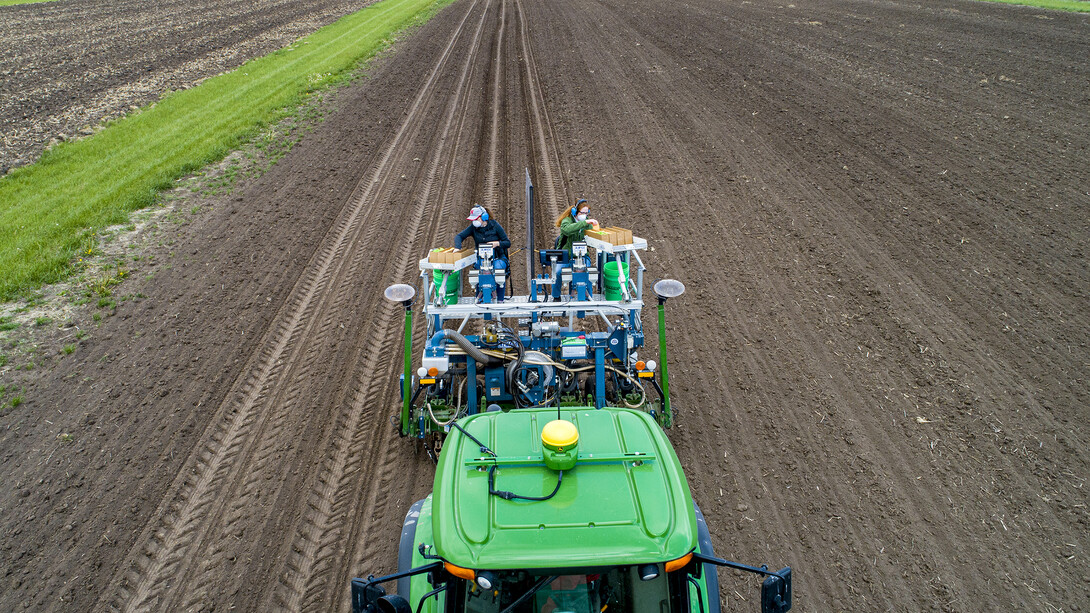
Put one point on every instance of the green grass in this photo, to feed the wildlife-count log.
(11, 2)
(50, 209)
(1075, 6)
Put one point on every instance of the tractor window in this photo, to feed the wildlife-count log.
(614, 591)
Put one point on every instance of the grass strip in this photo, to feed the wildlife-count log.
(50, 209)
(11, 2)
(1074, 6)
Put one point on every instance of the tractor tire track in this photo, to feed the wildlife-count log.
(545, 149)
(650, 130)
(249, 433)
(931, 321)
(491, 176)
(880, 363)
(815, 398)
(323, 545)
(367, 550)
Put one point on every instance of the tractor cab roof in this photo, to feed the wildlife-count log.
(625, 501)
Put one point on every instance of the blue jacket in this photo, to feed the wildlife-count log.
(492, 232)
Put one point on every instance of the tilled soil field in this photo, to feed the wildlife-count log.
(880, 211)
(66, 66)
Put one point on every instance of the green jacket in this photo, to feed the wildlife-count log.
(571, 231)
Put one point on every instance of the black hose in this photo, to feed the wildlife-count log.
(484, 448)
(512, 371)
(513, 496)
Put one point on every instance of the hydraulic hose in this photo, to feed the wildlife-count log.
(490, 357)
(471, 350)
(635, 382)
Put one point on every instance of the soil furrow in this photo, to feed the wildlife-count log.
(880, 364)
(321, 531)
(306, 309)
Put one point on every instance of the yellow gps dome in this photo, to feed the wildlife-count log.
(559, 433)
(560, 439)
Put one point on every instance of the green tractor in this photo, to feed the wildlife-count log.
(558, 510)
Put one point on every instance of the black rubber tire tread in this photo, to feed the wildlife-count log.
(407, 546)
(704, 542)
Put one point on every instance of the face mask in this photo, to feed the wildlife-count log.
(477, 223)
(581, 217)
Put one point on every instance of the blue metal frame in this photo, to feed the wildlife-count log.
(555, 331)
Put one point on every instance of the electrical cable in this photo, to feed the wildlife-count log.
(513, 496)
(492, 472)
(635, 381)
(484, 448)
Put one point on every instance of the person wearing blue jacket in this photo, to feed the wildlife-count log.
(486, 231)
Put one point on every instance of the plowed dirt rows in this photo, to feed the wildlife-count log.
(66, 66)
(880, 211)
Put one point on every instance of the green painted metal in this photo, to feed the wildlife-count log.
(602, 458)
(407, 388)
(418, 585)
(624, 509)
(667, 415)
(699, 599)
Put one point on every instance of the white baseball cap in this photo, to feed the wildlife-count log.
(475, 213)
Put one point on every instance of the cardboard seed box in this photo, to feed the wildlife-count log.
(621, 236)
(448, 255)
(602, 235)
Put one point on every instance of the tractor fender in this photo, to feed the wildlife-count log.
(407, 546)
(704, 542)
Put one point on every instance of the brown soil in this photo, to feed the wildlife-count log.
(880, 211)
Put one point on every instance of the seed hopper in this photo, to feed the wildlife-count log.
(556, 489)
(573, 339)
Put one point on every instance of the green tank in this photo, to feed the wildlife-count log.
(558, 510)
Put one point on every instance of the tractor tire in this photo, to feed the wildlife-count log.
(407, 545)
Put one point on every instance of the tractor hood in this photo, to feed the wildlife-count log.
(625, 501)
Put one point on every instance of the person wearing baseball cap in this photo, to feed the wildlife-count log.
(486, 231)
